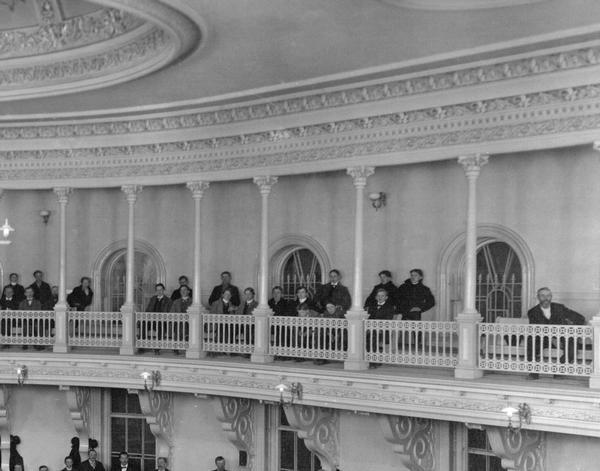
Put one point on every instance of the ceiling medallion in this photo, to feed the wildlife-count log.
(458, 4)
(122, 41)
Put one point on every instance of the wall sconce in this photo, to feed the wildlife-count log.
(295, 390)
(377, 200)
(45, 215)
(6, 230)
(523, 412)
(21, 374)
(151, 379)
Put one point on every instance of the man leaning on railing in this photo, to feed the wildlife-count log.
(547, 312)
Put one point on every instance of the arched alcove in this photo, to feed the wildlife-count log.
(452, 260)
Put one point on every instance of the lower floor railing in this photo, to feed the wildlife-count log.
(533, 348)
(228, 333)
(418, 343)
(309, 337)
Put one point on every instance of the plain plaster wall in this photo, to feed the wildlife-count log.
(549, 198)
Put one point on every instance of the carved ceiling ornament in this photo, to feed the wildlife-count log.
(319, 428)
(413, 439)
(519, 450)
(79, 401)
(236, 415)
(157, 407)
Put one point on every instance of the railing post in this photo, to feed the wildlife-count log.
(196, 334)
(60, 310)
(357, 315)
(128, 309)
(468, 349)
(595, 377)
(263, 312)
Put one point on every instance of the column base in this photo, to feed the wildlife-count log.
(62, 348)
(356, 365)
(468, 373)
(196, 332)
(128, 346)
(61, 342)
(595, 382)
(261, 358)
(262, 334)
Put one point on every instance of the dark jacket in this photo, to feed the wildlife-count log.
(42, 293)
(35, 305)
(164, 305)
(181, 305)
(217, 292)
(307, 305)
(282, 308)
(247, 308)
(78, 299)
(18, 291)
(218, 307)
(12, 305)
(559, 314)
(385, 311)
(414, 295)
(86, 466)
(176, 294)
(338, 294)
(392, 291)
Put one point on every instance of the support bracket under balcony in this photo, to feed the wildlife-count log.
(79, 401)
(519, 450)
(4, 427)
(413, 439)
(157, 408)
(237, 415)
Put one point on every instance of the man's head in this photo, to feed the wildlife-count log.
(334, 276)
(92, 454)
(38, 275)
(14, 278)
(226, 295)
(381, 296)
(68, 462)
(249, 294)
(220, 463)
(161, 462)
(123, 458)
(29, 293)
(43, 468)
(184, 290)
(385, 276)
(183, 280)
(9, 292)
(159, 289)
(302, 292)
(226, 278)
(544, 296)
(85, 281)
(54, 290)
(277, 293)
(331, 308)
(416, 275)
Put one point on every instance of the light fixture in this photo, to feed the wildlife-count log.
(377, 200)
(151, 379)
(45, 215)
(523, 412)
(21, 374)
(6, 230)
(295, 390)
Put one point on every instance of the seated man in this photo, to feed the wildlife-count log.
(547, 312)
(181, 305)
(385, 276)
(158, 303)
(278, 304)
(334, 291)
(249, 302)
(18, 290)
(382, 309)
(26, 326)
(9, 302)
(217, 291)
(414, 298)
(183, 281)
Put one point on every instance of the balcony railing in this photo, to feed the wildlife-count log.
(228, 333)
(416, 343)
(27, 328)
(95, 329)
(162, 330)
(309, 337)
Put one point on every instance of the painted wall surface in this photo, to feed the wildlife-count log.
(40, 416)
(573, 453)
(198, 437)
(549, 198)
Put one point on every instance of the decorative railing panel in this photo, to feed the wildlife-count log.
(228, 333)
(534, 348)
(95, 329)
(162, 330)
(27, 328)
(416, 343)
(309, 337)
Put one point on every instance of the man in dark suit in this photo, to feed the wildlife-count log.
(68, 464)
(220, 463)
(125, 464)
(414, 298)
(547, 312)
(82, 296)
(18, 290)
(385, 276)
(92, 464)
(159, 302)
(183, 281)
(278, 304)
(41, 290)
(335, 292)
(8, 301)
(217, 291)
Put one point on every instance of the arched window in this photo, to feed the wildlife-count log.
(109, 275)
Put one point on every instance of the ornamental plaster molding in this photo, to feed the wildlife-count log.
(237, 417)
(319, 428)
(413, 439)
(534, 65)
(519, 450)
(79, 401)
(5, 428)
(157, 408)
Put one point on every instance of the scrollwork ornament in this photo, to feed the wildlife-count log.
(520, 450)
(157, 408)
(413, 439)
(237, 420)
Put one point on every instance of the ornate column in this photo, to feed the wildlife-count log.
(595, 323)
(357, 315)
(60, 310)
(468, 319)
(128, 345)
(521, 450)
(195, 310)
(263, 312)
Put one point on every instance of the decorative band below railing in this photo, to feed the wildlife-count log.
(95, 329)
(535, 348)
(27, 328)
(228, 333)
(309, 337)
(416, 343)
(162, 330)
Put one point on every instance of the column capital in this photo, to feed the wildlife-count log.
(197, 188)
(360, 174)
(63, 192)
(472, 163)
(265, 183)
(131, 191)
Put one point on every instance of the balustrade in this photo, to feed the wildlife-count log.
(162, 330)
(95, 329)
(27, 328)
(228, 333)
